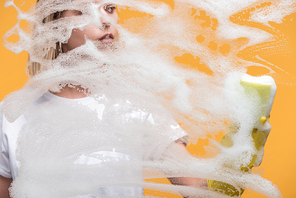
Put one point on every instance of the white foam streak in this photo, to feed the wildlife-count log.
(276, 12)
(156, 9)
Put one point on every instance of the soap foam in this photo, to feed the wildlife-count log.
(139, 68)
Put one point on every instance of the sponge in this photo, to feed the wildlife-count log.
(263, 88)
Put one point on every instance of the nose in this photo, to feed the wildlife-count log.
(105, 23)
(97, 14)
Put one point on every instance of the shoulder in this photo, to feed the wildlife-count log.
(1, 120)
(1, 114)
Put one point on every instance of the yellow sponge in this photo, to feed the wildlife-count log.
(265, 88)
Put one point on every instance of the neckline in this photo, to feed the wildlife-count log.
(53, 96)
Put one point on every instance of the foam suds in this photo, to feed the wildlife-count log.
(139, 94)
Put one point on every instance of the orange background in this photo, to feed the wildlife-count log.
(280, 159)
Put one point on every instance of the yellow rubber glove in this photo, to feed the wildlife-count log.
(265, 87)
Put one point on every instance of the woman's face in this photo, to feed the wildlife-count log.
(106, 34)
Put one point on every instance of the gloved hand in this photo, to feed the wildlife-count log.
(260, 135)
(265, 87)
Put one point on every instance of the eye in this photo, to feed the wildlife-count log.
(110, 8)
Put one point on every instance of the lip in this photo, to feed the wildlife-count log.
(107, 40)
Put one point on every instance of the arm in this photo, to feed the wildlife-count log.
(4, 181)
(264, 88)
(4, 185)
(187, 181)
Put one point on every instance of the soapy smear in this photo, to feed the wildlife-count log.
(141, 76)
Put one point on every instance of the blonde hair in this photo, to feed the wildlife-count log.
(34, 67)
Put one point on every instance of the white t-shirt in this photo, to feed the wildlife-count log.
(9, 133)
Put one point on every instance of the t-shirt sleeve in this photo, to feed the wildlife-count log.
(4, 154)
(163, 131)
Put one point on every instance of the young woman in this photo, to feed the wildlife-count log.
(74, 94)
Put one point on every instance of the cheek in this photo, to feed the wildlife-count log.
(91, 32)
(115, 32)
(116, 18)
(77, 38)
